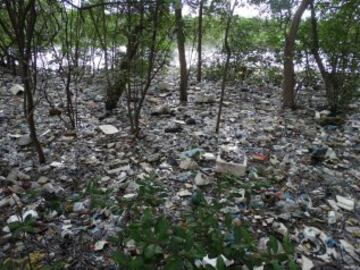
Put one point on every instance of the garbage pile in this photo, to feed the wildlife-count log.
(295, 173)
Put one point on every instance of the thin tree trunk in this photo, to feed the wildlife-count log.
(199, 49)
(23, 18)
(226, 68)
(30, 108)
(150, 71)
(289, 74)
(181, 49)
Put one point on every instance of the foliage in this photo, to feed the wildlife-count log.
(152, 240)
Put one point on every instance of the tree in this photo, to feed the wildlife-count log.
(134, 28)
(227, 62)
(342, 52)
(289, 74)
(180, 37)
(22, 17)
(199, 47)
(151, 57)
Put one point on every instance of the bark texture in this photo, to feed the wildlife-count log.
(181, 49)
(289, 74)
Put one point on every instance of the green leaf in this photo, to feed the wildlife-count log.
(174, 264)
(162, 229)
(292, 265)
(152, 250)
(288, 246)
(228, 221)
(119, 258)
(220, 264)
(246, 236)
(198, 198)
(275, 266)
(137, 264)
(272, 244)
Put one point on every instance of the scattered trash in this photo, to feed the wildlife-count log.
(232, 161)
(24, 140)
(306, 263)
(184, 193)
(279, 173)
(130, 196)
(78, 207)
(331, 217)
(345, 203)
(99, 245)
(280, 228)
(204, 98)
(193, 153)
(201, 179)
(30, 213)
(17, 90)
(188, 164)
(213, 262)
(108, 129)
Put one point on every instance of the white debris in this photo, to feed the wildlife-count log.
(208, 156)
(184, 193)
(280, 228)
(6, 201)
(56, 164)
(349, 249)
(42, 180)
(201, 179)
(108, 129)
(306, 263)
(30, 213)
(78, 206)
(333, 205)
(6, 229)
(331, 217)
(240, 195)
(99, 245)
(237, 168)
(130, 196)
(188, 164)
(17, 89)
(24, 140)
(12, 219)
(213, 262)
(345, 203)
(204, 98)
(131, 245)
(330, 154)
(118, 170)
(164, 86)
(311, 233)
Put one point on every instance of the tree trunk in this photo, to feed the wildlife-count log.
(30, 108)
(289, 74)
(115, 91)
(23, 20)
(199, 49)
(226, 68)
(150, 71)
(181, 49)
(326, 76)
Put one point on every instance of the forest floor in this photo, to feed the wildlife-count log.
(302, 179)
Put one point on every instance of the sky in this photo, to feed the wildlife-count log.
(244, 11)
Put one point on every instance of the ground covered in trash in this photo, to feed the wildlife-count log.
(292, 174)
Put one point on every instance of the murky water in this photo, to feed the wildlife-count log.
(95, 59)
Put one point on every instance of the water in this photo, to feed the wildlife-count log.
(95, 60)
